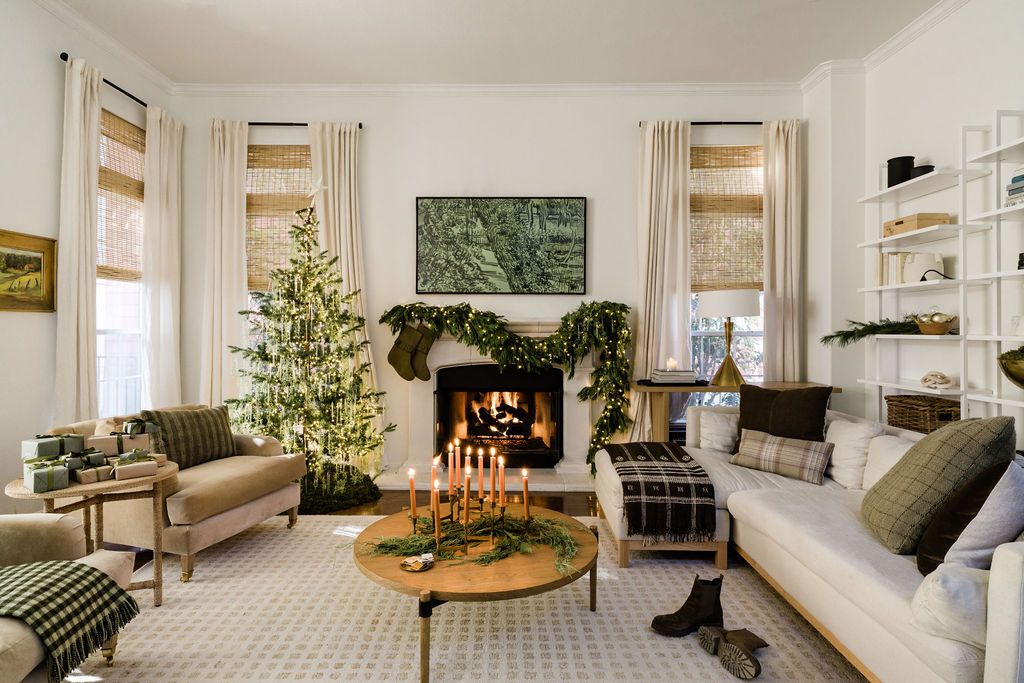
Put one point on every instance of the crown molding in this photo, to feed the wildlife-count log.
(909, 33)
(95, 34)
(495, 89)
(832, 67)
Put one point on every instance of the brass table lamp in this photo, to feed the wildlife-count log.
(728, 304)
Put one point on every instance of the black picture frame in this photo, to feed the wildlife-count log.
(444, 262)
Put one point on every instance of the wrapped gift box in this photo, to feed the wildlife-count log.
(161, 458)
(40, 477)
(44, 446)
(91, 475)
(72, 462)
(94, 457)
(115, 444)
(135, 470)
(137, 427)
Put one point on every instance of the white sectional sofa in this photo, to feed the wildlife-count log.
(810, 544)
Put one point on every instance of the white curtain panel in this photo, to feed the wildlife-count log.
(663, 239)
(783, 247)
(75, 394)
(161, 260)
(226, 290)
(334, 155)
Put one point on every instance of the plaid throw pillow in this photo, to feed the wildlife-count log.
(192, 437)
(793, 458)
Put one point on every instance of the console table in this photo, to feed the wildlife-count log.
(658, 399)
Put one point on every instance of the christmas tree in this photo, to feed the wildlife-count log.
(308, 378)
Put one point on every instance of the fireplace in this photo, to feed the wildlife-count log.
(517, 412)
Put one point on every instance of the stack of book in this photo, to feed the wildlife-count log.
(673, 376)
(1015, 190)
(890, 267)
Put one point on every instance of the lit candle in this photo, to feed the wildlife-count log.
(501, 481)
(526, 495)
(494, 467)
(433, 468)
(469, 485)
(412, 493)
(671, 364)
(469, 460)
(480, 471)
(436, 498)
(451, 472)
(458, 455)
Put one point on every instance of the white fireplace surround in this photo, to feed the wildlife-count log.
(572, 473)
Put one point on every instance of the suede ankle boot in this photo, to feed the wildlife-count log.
(703, 607)
(419, 357)
(735, 650)
(400, 356)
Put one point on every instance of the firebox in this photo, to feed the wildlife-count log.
(517, 412)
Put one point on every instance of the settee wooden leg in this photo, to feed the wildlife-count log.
(722, 555)
(624, 553)
(293, 516)
(187, 564)
(108, 650)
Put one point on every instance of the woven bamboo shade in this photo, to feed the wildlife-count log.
(726, 217)
(277, 181)
(121, 189)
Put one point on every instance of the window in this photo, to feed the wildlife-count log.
(277, 182)
(726, 252)
(119, 355)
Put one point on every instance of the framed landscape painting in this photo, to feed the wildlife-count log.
(501, 245)
(27, 272)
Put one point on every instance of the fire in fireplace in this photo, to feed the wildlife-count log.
(516, 412)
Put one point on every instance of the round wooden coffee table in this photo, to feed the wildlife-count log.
(519, 576)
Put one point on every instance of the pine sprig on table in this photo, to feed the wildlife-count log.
(861, 330)
(601, 326)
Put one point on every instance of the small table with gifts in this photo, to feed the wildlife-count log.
(95, 494)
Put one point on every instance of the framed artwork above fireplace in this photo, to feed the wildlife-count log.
(501, 245)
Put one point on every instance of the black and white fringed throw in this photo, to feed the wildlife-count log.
(666, 494)
(72, 607)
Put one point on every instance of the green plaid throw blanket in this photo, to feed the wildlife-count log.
(666, 494)
(72, 607)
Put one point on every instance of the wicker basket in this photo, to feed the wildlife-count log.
(922, 414)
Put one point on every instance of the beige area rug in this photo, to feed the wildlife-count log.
(274, 604)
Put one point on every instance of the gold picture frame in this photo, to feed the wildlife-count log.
(28, 272)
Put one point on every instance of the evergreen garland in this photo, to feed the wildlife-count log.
(601, 326)
(861, 330)
(515, 535)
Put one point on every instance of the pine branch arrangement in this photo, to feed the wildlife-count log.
(601, 326)
(861, 330)
(306, 368)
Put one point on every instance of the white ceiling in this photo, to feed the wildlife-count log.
(496, 41)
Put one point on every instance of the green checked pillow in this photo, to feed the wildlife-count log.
(192, 437)
(903, 503)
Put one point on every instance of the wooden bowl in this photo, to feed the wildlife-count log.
(936, 328)
(1014, 371)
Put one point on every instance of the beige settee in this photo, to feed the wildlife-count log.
(35, 538)
(206, 503)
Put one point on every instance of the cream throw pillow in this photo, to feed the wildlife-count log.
(850, 455)
(718, 431)
(1000, 520)
(793, 458)
(883, 452)
(952, 602)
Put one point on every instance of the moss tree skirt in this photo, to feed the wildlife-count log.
(335, 488)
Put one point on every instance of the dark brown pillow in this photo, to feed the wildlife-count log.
(192, 437)
(953, 517)
(791, 413)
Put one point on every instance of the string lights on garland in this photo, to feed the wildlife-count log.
(601, 326)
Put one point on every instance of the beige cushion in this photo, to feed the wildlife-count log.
(41, 536)
(213, 487)
(899, 507)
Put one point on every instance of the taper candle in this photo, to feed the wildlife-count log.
(480, 471)
(412, 493)
(501, 481)
(436, 497)
(526, 495)
(494, 467)
(469, 485)
(433, 468)
(451, 472)
(458, 458)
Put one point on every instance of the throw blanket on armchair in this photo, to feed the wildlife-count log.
(666, 495)
(72, 607)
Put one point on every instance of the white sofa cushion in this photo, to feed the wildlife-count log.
(850, 455)
(952, 602)
(1000, 520)
(718, 431)
(823, 530)
(883, 453)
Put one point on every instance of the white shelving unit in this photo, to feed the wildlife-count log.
(975, 383)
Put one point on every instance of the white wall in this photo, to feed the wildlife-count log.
(465, 144)
(31, 120)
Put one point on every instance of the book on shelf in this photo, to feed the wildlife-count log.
(1015, 185)
(1019, 190)
(890, 267)
(1013, 201)
(673, 376)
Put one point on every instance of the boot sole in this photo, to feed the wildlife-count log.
(710, 638)
(739, 661)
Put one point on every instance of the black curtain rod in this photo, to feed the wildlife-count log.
(723, 123)
(115, 86)
(286, 124)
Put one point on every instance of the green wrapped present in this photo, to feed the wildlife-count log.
(72, 462)
(52, 446)
(45, 475)
(117, 443)
(94, 457)
(136, 427)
